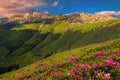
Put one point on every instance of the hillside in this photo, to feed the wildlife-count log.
(96, 61)
(41, 40)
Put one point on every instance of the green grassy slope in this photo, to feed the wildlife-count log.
(22, 47)
(61, 26)
(72, 39)
(33, 26)
(53, 43)
(83, 55)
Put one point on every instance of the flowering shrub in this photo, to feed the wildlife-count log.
(76, 65)
(61, 64)
(99, 66)
(72, 59)
(112, 63)
(95, 65)
(107, 75)
(84, 66)
(71, 73)
(99, 53)
(21, 76)
(118, 54)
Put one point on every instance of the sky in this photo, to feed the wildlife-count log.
(55, 7)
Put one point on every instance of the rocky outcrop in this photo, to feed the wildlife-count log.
(83, 18)
(30, 17)
(95, 18)
(75, 17)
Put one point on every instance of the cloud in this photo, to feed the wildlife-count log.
(55, 3)
(46, 12)
(12, 7)
(112, 13)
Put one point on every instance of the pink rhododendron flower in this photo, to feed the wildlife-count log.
(61, 64)
(99, 74)
(84, 66)
(14, 79)
(107, 75)
(96, 72)
(72, 59)
(76, 65)
(21, 76)
(32, 77)
(99, 56)
(47, 77)
(80, 77)
(118, 54)
(72, 73)
(118, 65)
(95, 65)
(53, 71)
(110, 62)
(36, 79)
(99, 53)
(35, 70)
(57, 75)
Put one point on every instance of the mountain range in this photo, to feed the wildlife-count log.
(74, 17)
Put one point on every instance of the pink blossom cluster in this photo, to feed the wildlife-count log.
(72, 59)
(95, 65)
(118, 54)
(107, 75)
(21, 76)
(99, 53)
(100, 74)
(84, 66)
(110, 62)
(72, 73)
(61, 63)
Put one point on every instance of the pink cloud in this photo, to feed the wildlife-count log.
(112, 13)
(11, 7)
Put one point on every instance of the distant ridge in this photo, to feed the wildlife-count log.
(40, 17)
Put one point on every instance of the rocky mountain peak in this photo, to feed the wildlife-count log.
(84, 17)
(74, 17)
